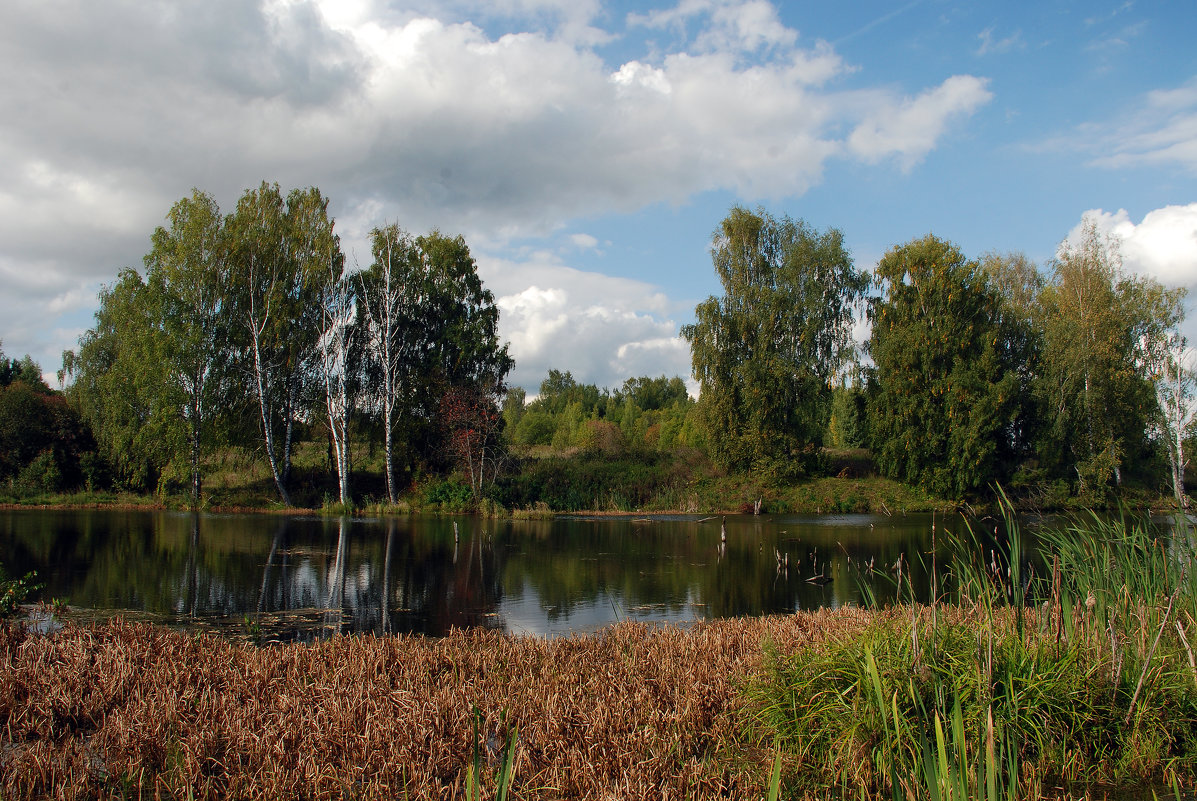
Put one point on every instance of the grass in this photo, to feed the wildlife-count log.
(1078, 676)
(635, 711)
(681, 482)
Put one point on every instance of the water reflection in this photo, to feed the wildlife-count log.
(307, 577)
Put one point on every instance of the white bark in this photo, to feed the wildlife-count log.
(339, 314)
(1175, 385)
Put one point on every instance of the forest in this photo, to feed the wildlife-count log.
(244, 364)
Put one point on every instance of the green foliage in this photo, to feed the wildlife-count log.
(24, 370)
(1100, 329)
(847, 426)
(766, 351)
(591, 482)
(281, 252)
(645, 414)
(187, 285)
(14, 592)
(449, 494)
(43, 443)
(114, 386)
(946, 403)
(1093, 685)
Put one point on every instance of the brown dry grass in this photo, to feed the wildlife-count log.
(133, 710)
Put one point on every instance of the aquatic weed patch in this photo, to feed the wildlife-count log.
(633, 712)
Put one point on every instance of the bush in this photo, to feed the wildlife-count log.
(13, 592)
(41, 475)
(450, 494)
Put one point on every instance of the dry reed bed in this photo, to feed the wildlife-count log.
(633, 712)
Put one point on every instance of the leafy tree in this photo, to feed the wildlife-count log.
(535, 427)
(652, 394)
(43, 443)
(558, 390)
(765, 352)
(455, 339)
(473, 426)
(1099, 329)
(946, 385)
(392, 290)
(514, 407)
(1175, 383)
(1019, 285)
(847, 426)
(187, 277)
(114, 383)
(281, 250)
(25, 370)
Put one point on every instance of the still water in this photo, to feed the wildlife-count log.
(301, 578)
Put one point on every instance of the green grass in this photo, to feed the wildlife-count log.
(1080, 677)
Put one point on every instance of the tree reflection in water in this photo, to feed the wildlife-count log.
(301, 578)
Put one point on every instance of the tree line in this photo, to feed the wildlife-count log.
(244, 326)
(246, 329)
(977, 371)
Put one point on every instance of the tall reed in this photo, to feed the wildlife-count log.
(1073, 675)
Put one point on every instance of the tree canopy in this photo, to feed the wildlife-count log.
(765, 353)
(947, 389)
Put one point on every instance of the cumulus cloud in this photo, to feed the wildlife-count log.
(907, 129)
(1162, 246)
(426, 113)
(603, 329)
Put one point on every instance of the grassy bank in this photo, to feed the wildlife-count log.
(682, 482)
(573, 480)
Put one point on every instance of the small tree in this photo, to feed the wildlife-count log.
(473, 425)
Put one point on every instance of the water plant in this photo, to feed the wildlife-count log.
(1073, 675)
(14, 592)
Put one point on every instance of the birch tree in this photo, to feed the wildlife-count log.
(337, 369)
(766, 351)
(280, 252)
(1176, 391)
(390, 293)
(1100, 328)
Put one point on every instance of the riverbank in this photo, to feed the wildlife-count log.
(633, 712)
(121, 710)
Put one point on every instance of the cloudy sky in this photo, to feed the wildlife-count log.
(587, 149)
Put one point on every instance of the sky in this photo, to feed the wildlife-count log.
(587, 150)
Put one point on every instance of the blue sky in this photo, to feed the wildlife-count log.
(587, 149)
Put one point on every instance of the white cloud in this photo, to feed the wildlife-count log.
(1163, 246)
(1160, 131)
(583, 241)
(909, 128)
(420, 114)
(602, 329)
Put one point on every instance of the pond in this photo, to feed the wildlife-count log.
(288, 578)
